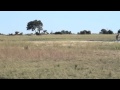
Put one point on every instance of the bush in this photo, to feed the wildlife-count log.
(58, 33)
(37, 33)
(84, 32)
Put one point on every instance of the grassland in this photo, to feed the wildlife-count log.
(93, 37)
(59, 57)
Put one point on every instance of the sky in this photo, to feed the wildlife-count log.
(74, 21)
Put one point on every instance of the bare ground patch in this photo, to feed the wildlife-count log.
(69, 43)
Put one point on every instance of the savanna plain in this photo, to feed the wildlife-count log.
(59, 57)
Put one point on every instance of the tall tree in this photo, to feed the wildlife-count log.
(36, 24)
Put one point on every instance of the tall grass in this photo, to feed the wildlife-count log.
(56, 60)
(100, 37)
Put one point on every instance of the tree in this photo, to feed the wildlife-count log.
(45, 31)
(85, 32)
(65, 32)
(57, 33)
(88, 32)
(37, 33)
(36, 24)
(70, 32)
(110, 32)
(119, 31)
(16, 32)
(104, 31)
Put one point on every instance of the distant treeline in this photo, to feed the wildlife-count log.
(102, 31)
(37, 26)
(62, 32)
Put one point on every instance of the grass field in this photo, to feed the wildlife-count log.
(93, 37)
(59, 57)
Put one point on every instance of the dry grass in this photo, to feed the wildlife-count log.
(60, 38)
(59, 60)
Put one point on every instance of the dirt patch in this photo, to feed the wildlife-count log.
(68, 43)
(72, 41)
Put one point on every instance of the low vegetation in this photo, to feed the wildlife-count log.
(71, 37)
(59, 57)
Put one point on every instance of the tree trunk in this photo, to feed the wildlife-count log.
(35, 32)
(39, 32)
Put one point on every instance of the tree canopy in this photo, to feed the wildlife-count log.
(104, 31)
(36, 24)
(119, 31)
(84, 32)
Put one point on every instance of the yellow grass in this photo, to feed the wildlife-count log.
(60, 37)
(64, 59)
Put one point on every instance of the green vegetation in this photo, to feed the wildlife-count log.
(104, 31)
(35, 24)
(84, 32)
